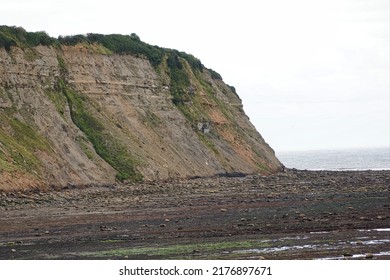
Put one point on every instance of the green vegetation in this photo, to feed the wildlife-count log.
(112, 43)
(152, 119)
(17, 36)
(105, 145)
(62, 64)
(210, 250)
(208, 142)
(215, 75)
(20, 142)
(83, 143)
(120, 44)
(59, 101)
(178, 78)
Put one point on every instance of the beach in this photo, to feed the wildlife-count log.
(295, 214)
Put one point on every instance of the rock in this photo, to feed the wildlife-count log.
(163, 225)
(167, 220)
(105, 228)
(243, 220)
(223, 210)
(13, 250)
(369, 256)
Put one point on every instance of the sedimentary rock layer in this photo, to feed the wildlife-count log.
(71, 115)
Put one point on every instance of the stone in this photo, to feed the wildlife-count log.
(369, 256)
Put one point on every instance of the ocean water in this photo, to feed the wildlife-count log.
(347, 159)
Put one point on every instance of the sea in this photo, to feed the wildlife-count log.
(337, 159)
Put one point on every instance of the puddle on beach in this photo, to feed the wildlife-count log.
(357, 256)
(377, 229)
(376, 242)
(321, 242)
(275, 249)
(382, 229)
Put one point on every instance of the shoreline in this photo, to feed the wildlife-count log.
(295, 214)
(21, 191)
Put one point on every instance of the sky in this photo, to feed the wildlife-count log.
(312, 74)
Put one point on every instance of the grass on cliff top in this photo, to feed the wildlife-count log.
(113, 43)
(105, 145)
(17, 36)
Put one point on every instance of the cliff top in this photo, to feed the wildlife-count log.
(112, 43)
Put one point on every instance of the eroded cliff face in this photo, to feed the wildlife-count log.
(72, 115)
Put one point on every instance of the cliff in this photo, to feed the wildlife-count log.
(81, 112)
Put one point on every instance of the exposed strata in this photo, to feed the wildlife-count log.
(46, 93)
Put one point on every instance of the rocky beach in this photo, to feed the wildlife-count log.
(293, 214)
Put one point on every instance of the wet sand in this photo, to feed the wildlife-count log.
(290, 215)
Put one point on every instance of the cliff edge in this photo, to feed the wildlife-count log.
(98, 109)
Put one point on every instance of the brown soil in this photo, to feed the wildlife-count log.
(290, 215)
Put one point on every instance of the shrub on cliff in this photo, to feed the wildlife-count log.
(120, 44)
(17, 36)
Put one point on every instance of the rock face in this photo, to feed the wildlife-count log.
(71, 115)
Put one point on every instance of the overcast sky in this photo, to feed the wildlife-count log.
(312, 74)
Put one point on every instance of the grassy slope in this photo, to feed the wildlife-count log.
(19, 144)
